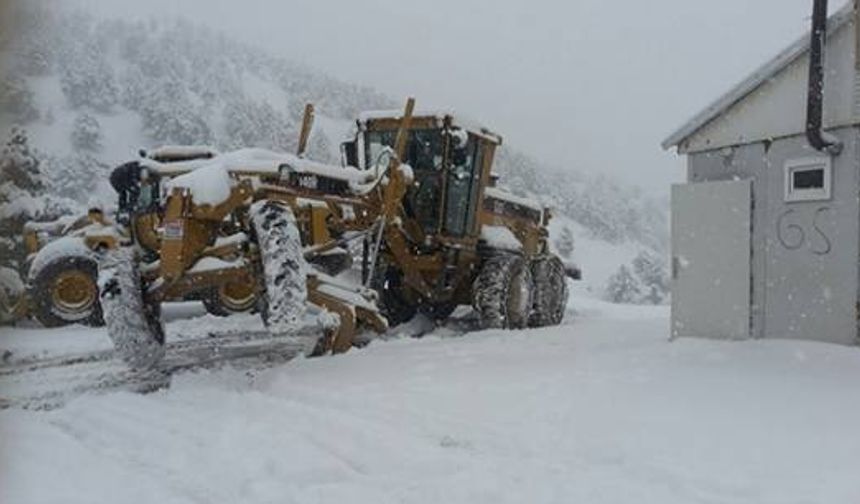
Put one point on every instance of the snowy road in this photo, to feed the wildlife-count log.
(604, 410)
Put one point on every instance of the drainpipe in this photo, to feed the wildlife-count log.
(818, 139)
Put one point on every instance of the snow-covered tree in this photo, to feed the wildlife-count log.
(87, 79)
(19, 164)
(319, 148)
(133, 86)
(19, 183)
(171, 116)
(74, 177)
(654, 277)
(251, 124)
(564, 243)
(17, 100)
(623, 287)
(86, 133)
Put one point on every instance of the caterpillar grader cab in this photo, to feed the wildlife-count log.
(457, 239)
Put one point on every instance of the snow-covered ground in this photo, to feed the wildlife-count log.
(601, 410)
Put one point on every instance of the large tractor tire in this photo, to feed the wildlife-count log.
(503, 292)
(284, 270)
(550, 291)
(133, 325)
(230, 299)
(63, 286)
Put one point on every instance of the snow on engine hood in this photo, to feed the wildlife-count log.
(210, 182)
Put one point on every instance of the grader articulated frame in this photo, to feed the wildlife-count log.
(417, 188)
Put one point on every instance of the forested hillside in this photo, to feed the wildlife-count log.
(84, 94)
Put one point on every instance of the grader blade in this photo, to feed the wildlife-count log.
(354, 305)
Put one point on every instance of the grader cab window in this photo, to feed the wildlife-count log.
(148, 198)
(425, 151)
(462, 187)
(450, 182)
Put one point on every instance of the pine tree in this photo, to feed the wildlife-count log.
(86, 133)
(170, 116)
(87, 79)
(653, 275)
(623, 287)
(564, 243)
(75, 177)
(17, 100)
(19, 164)
(19, 182)
(251, 124)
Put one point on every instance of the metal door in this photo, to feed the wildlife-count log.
(711, 259)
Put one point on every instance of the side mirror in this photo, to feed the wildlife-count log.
(383, 160)
(349, 153)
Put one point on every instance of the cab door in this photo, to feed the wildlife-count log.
(462, 181)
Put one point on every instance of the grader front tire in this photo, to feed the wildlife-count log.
(284, 269)
(133, 325)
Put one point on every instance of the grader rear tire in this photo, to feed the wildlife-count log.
(502, 293)
(284, 270)
(65, 291)
(550, 296)
(134, 326)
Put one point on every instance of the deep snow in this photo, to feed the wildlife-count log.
(604, 409)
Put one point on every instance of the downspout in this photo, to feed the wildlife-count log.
(818, 139)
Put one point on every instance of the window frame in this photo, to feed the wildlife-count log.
(792, 166)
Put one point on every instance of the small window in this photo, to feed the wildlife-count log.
(807, 179)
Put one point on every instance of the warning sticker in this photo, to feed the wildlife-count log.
(173, 230)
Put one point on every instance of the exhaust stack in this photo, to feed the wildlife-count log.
(818, 139)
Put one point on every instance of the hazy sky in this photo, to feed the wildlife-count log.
(589, 84)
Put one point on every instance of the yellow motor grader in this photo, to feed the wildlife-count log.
(63, 255)
(416, 188)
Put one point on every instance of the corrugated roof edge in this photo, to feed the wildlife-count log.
(751, 83)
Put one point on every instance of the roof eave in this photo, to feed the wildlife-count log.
(754, 81)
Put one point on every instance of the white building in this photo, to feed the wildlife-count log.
(766, 231)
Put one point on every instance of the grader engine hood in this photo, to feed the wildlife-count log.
(504, 204)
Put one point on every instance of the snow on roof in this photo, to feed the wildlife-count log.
(369, 115)
(458, 120)
(759, 77)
